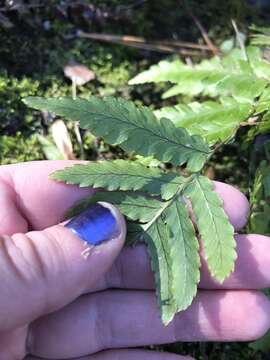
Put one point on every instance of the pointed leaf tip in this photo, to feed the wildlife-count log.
(214, 227)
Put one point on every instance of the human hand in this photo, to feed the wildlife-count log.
(56, 304)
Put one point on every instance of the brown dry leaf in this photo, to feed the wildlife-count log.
(210, 173)
(62, 139)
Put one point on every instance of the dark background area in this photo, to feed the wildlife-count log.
(38, 38)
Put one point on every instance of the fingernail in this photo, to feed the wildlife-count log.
(95, 225)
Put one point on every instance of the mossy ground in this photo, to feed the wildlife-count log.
(34, 51)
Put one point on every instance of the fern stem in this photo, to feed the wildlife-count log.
(76, 124)
(240, 41)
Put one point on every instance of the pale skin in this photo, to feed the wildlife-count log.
(57, 304)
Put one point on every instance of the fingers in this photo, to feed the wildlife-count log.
(132, 269)
(41, 271)
(11, 217)
(120, 319)
(252, 267)
(135, 355)
(128, 355)
(235, 204)
(40, 202)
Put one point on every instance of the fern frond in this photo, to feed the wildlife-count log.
(184, 247)
(151, 199)
(163, 71)
(216, 231)
(133, 205)
(233, 75)
(121, 175)
(260, 36)
(133, 128)
(212, 120)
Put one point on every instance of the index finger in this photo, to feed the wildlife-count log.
(28, 194)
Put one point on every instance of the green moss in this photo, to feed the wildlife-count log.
(14, 115)
(33, 60)
(17, 148)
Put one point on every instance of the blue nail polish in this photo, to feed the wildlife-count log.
(94, 225)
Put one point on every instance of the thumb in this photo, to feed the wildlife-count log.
(41, 271)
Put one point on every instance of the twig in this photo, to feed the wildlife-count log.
(181, 44)
(240, 40)
(131, 6)
(250, 122)
(23, 6)
(141, 43)
(76, 123)
(203, 31)
(141, 40)
(205, 36)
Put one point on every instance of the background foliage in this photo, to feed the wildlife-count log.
(39, 41)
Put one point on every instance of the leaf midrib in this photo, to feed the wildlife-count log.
(213, 220)
(165, 254)
(185, 253)
(132, 175)
(226, 73)
(209, 112)
(138, 127)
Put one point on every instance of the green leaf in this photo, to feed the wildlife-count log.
(147, 161)
(184, 250)
(223, 83)
(170, 237)
(134, 206)
(263, 104)
(133, 128)
(189, 79)
(263, 127)
(214, 227)
(49, 148)
(260, 66)
(231, 76)
(163, 71)
(121, 175)
(262, 108)
(242, 88)
(259, 222)
(173, 248)
(260, 36)
(157, 238)
(213, 121)
(135, 233)
(171, 240)
(262, 344)
(165, 226)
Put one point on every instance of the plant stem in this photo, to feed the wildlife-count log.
(74, 89)
(76, 124)
(206, 38)
(168, 202)
(240, 41)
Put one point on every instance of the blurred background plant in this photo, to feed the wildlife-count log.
(113, 41)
